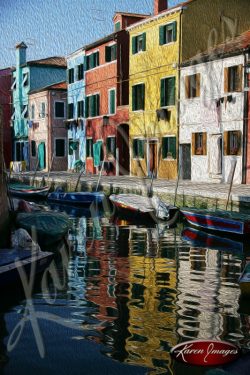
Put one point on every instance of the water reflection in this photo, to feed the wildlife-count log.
(139, 291)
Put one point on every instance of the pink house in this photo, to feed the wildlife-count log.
(47, 131)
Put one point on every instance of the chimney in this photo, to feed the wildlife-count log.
(159, 6)
(20, 54)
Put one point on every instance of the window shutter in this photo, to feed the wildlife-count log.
(141, 148)
(97, 105)
(187, 86)
(239, 78)
(134, 98)
(163, 88)
(239, 142)
(143, 96)
(134, 145)
(225, 143)
(204, 143)
(112, 101)
(193, 143)
(87, 106)
(162, 34)
(97, 58)
(134, 49)
(198, 84)
(172, 146)
(174, 31)
(144, 41)
(107, 54)
(225, 79)
(115, 51)
(171, 91)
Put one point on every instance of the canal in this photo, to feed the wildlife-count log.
(120, 297)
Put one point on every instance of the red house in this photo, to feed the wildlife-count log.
(5, 103)
(107, 96)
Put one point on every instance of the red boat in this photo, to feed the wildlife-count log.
(222, 221)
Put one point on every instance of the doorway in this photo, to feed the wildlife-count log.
(123, 146)
(185, 150)
(41, 156)
(215, 155)
(152, 158)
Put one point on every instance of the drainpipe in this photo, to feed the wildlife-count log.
(245, 122)
(179, 84)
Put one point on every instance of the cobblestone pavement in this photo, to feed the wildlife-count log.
(220, 191)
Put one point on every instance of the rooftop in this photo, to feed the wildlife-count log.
(55, 86)
(56, 61)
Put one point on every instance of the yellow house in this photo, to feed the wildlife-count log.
(154, 82)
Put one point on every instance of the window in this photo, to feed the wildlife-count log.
(138, 97)
(71, 75)
(138, 148)
(233, 78)
(89, 148)
(192, 86)
(42, 110)
(92, 107)
(73, 146)
(32, 111)
(80, 108)
(33, 149)
(70, 110)
(169, 148)
(118, 26)
(60, 147)
(167, 91)
(80, 72)
(110, 53)
(167, 33)
(25, 79)
(112, 98)
(199, 144)
(59, 110)
(92, 61)
(25, 113)
(232, 142)
(111, 145)
(138, 43)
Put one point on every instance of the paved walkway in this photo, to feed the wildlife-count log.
(240, 193)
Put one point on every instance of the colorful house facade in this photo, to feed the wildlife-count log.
(106, 103)
(247, 117)
(47, 133)
(158, 45)
(76, 99)
(212, 121)
(5, 103)
(29, 76)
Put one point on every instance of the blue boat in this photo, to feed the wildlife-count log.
(11, 260)
(76, 198)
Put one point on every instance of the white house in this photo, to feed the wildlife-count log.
(211, 129)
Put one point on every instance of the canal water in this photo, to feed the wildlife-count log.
(120, 297)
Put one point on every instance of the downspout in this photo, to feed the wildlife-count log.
(49, 153)
(178, 99)
(245, 123)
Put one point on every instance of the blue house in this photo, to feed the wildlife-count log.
(76, 121)
(29, 76)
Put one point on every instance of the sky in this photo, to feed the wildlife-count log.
(59, 27)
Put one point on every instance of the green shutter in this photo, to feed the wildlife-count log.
(97, 59)
(172, 146)
(171, 91)
(134, 45)
(134, 98)
(87, 106)
(164, 147)
(143, 96)
(117, 26)
(91, 61)
(134, 148)
(144, 41)
(141, 148)
(107, 54)
(163, 89)
(112, 101)
(97, 104)
(115, 51)
(174, 31)
(162, 35)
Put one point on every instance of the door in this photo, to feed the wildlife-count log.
(186, 161)
(215, 155)
(41, 155)
(152, 158)
(123, 146)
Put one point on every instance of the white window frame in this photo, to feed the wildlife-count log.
(64, 111)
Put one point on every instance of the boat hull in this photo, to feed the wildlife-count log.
(217, 223)
(78, 198)
(29, 192)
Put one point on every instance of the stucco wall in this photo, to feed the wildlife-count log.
(202, 115)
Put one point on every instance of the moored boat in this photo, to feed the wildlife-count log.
(222, 221)
(76, 198)
(12, 260)
(28, 191)
(244, 279)
(50, 227)
(144, 208)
